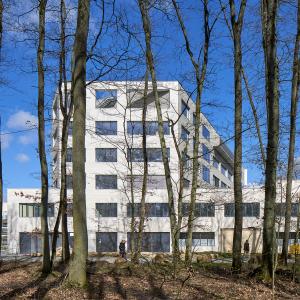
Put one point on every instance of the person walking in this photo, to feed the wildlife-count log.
(246, 247)
(122, 249)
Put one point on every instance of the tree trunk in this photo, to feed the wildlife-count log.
(237, 24)
(145, 174)
(297, 254)
(66, 110)
(255, 116)
(41, 134)
(144, 7)
(1, 188)
(293, 116)
(78, 266)
(200, 77)
(269, 21)
(1, 179)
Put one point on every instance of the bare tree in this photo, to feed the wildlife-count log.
(144, 6)
(269, 10)
(237, 25)
(291, 155)
(200, 73)
(145, 173)
(77, 273)
(41, 134)
(66, 108)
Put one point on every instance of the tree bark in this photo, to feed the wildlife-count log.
(78, 266)
(144, 9)
(41, 135)
(269, 23)
(145, 174)
(291, 157)
(237, 25)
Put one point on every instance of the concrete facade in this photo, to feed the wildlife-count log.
(221, 225)
(119, 105)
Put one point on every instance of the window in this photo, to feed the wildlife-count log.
(106, 210)
(206, 174)
(223, 185)
(205, 132)
(151, 209)
(216, 181)
(187, 163)
(205, 153)
(154, 182)
(185, 109)
(70, 155)
(223, 170)
(106, 98)
(215, 163)
(201, 209)
(136, 128)
(106, 182)
(281, 207)
(69, 209)
(106, 127)
(153, 154)
(205, 210)
(194, 119)
(106, 154)
(152, 241)
(69, 181)
(29, 210)
(199, 238)
(70, 128)
(184, 134)
(292, 237)
(229, 175)
(249, 209)
(106, 241)
(135, 98)
(186, 183)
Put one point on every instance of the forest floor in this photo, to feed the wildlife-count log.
(22, 280)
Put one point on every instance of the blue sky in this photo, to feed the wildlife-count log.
(19, 93)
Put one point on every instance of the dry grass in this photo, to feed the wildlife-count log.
(22, 280)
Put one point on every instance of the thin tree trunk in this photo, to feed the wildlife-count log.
(1, 188)
(255, 116)
(250, 96)
(144, 7)
(293, 116)
(237, 25)
(200, 77)
(181, 158)
(41, 134)
(297, 254)
(78, 266)
(145, 173)
(66, 110)
(269, 19)
(1, 179)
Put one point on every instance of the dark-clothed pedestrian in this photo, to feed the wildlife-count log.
(122, 249)
(246, 247)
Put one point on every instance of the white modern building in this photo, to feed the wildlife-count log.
(114, 154)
